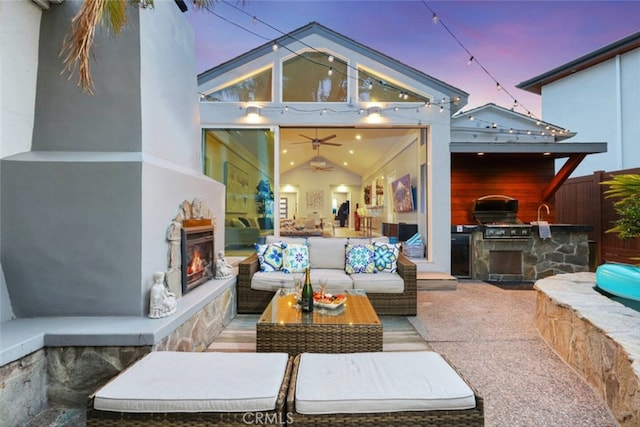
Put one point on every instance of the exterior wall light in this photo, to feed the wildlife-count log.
(374, 111)
(253, 111)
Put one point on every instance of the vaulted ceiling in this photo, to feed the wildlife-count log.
(360, 151)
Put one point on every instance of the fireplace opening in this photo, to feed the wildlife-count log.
(197, 256)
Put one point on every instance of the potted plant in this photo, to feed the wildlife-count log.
(627, 188)
(623, 280)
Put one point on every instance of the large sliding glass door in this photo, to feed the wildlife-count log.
(243, 160)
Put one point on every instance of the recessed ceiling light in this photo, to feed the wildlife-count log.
(358, 136)
(284, 151)
(292, 163)
(345, 163)
(350, 151)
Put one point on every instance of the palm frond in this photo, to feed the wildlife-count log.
(112, 14)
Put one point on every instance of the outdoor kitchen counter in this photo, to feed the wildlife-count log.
(467, 228)
(529, 258)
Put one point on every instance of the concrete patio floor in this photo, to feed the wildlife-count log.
(488, 333)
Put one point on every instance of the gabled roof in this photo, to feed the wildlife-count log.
(605, 53)
(520, 135)
(460, 120)
(316, 28)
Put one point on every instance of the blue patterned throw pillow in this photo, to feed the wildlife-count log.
(359, 259)
(295, 258)
(270, 256)
(385, 256)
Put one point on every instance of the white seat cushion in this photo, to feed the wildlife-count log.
(379, 382)
(379, 283)
(337, 280)
(272, 280)
(168, 381)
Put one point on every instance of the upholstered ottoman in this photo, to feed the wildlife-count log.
(192, 389)
(390, 388)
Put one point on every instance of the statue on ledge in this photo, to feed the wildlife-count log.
(162, 303)
(223, 269)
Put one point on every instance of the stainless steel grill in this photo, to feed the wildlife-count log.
(498, 214)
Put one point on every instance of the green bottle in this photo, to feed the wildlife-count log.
(307, 292)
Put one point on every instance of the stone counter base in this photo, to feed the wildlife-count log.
(596, 336)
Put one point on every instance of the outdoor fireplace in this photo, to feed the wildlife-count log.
(197, 256)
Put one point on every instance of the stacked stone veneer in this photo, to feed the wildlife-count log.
(564, 252)
(68, 375)
(598, 337)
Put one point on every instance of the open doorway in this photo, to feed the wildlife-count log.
(341, 209)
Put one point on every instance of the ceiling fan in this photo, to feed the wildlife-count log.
(318, 164)
(317, 142)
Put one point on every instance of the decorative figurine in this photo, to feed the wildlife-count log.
(223, 270)
(162, 303)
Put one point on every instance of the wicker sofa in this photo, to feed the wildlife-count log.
(400, 301)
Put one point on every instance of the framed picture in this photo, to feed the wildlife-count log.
(236, 183)
(402, 195)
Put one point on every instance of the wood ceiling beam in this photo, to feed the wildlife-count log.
(569, 166)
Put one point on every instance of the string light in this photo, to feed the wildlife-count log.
(330, 57)
(330, 72)
(472, 58)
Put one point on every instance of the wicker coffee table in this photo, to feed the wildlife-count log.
(352, 328)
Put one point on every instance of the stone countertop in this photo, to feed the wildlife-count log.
(470, 228)
(19, 337)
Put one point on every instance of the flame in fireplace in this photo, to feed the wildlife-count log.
(196, 265)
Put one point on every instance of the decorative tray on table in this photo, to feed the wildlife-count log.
(329, 301)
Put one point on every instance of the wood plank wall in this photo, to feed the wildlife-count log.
(522, 178)
(582, 201)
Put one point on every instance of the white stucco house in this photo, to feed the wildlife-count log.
(597, 96)
(314, 82)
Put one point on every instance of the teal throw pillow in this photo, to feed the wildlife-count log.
(359, 259)
(385, 256)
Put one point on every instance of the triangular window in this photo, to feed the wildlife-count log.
(312, 77)
(255, 87)
(374, 88)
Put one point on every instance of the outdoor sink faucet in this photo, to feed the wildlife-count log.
(541, 206)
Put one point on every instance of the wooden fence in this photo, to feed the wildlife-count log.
(582, 201)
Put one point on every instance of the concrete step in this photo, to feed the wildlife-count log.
(435, 281)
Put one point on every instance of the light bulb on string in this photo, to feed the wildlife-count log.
(498, 87)
(470, 61)
(434, 18)
(254, 20)
(274, 47)
(330, 58)
(330, 72)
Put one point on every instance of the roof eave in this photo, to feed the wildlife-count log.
(605, 53)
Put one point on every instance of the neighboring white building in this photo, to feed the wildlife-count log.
(597, 96)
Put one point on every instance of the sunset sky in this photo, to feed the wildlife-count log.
(513, 40)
